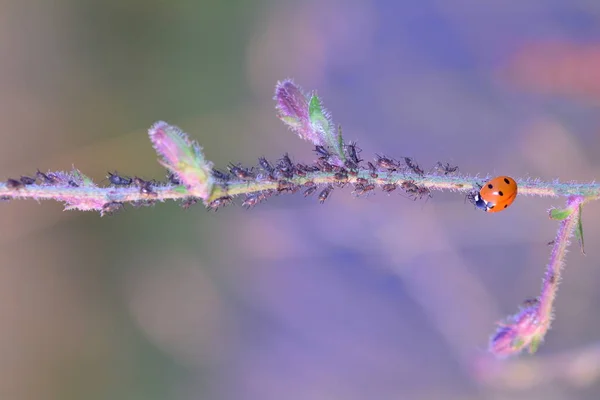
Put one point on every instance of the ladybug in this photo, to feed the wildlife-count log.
(496, 195)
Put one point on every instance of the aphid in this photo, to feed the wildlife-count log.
(352, 151)
(173, 179)
(119, 180)
(415, 192)
(188, 202)
(147, 189)
(220, 202)
(26, 180)
(325, 193)
(409, 187)
(49, 178)
(363, 189)
(139, 182)
(268, 193)
(362, 181)
(351, 167)
(220, 175)
(310, 191)
(285, 186)
(72, 183)
(253, 199)
(447, 169)
(373, 170)
(145, 186)
(337, 168)
(14, 184)
(302, 167)
(324, 166)
(143, 203)
(286, 162)
(495, 195)
(341, 177)
(111, 208)
(386, 163)
(286, 167)
(312, 168)
(389, 187)
(350, 163)
(271, 178)
(265, 165)
(241, 172)
(322, 152)
(300, 170)
(423, 191)
(309, 183)
(413, 166)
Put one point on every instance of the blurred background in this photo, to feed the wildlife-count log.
(359, 298)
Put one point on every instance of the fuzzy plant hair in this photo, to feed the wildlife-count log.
(192, 179)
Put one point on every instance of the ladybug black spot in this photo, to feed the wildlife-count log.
(506, 181)
(500, 193)
(490, 186)
(506, 205)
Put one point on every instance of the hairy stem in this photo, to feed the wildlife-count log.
(92, 197)
(556, 263)
(528, 327)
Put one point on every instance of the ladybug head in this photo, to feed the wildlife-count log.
(478, 202)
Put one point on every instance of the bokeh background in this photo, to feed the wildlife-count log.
(359, 298)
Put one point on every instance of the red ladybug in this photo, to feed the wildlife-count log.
(495, 195)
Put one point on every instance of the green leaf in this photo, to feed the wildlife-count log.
(84, 179)
(579, 229)
(321, 122)
(534, 344)
(340, 144)
(558, 214)
(180, 189)
(318, 117)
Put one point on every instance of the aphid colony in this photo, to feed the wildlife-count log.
(61, 179)
(494, 196)
(283, 172)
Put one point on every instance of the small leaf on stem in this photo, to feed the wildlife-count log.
(321, 122)
(579, 229)
(81, 178)
(307, 117)
(292, 109)
(183, 158)
(535, 344)
(559, 214)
